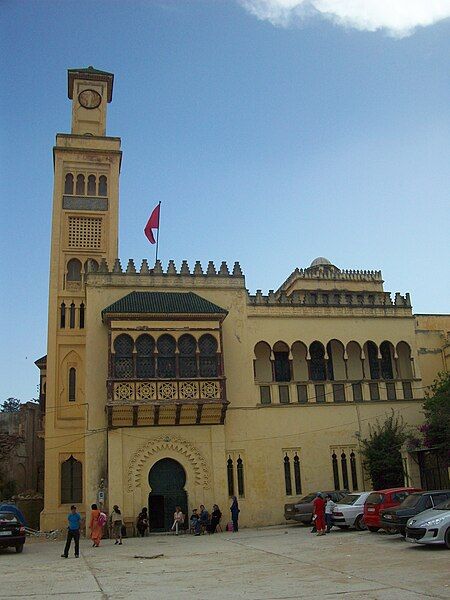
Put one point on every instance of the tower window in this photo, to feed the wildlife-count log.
(187, 360)
(166, 356)
(74, 270)
(72, 316)
(71, 481)
(145, 359)
(82, 315)
(68, 184)
(207, 345)
(102, 186)
(123, 359)
(63, 316)
(80, 185)
(72, 384)
(91, 185)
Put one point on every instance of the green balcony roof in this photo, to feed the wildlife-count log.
(163, 303)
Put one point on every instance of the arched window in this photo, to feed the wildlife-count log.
(344, 470)
(102, 186)
(353, 470)
(386, 360)
(230, 476)
(63, 315)
(91, 185)
(187, 360)
(166, 356)
(91, 266)
(354, 362)
(240, 476)
(209, 363)
(374, 365)
(334, 463)
(262, 364)
(80, 185)
(73, 270)
(297, 477)
(82, 315)
(68, 184)
(404, 361)
(72, 316)
(72, 384)
(123, 356)
(299, 362)
(145, 358)
(282, 367)
(71, 481)
(330, 362)
(287, 476)
(317, 363)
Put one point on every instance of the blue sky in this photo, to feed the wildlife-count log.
(267, 142)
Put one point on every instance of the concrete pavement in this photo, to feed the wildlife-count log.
(281, 563)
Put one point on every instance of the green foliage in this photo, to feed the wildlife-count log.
(437, 414)
(10, 405)
(381, 452)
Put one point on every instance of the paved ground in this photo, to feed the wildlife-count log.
(281, 563)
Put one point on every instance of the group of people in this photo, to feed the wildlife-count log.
(323, 514)
(199, 522)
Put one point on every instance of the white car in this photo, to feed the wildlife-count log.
(430, 526)
(349, 511)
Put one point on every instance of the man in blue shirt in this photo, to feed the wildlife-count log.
(73, 532)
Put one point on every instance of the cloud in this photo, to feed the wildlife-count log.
(399, 18)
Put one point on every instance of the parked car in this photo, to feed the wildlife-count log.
(302, 511)
(381, 499)
(395, 519)
(349, 511)
(12, 531)
(431, 526)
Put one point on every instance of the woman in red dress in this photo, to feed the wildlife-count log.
(319, 512)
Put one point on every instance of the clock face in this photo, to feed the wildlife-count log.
(89, 99)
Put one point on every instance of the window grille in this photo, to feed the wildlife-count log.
(317, 362)
(123, 357)
(264, 394)
(85, 232)
(338, 392)
(391, 391)
(302, 393)
(386, 361)
(187, 360)
(207, 345)
(374, 391)
(357, 392)
(145, 359)
(407, 390)
(283, 391)
(71, 481)
(282, 366)
(320, 392)
(166, 356)
(374, 364)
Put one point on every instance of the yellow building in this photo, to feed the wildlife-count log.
(176, 385)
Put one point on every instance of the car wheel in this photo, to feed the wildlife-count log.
(373, 529)
(360, 524)
(447, 538)
(19, 548)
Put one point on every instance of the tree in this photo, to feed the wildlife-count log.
(382, 459)
(436, 408)
(10, 405)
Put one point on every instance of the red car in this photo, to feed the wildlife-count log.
(381, 499)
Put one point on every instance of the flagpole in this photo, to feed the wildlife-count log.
(157, 233)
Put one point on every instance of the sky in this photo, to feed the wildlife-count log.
(272, 132)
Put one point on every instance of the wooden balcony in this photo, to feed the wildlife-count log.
(149, 403)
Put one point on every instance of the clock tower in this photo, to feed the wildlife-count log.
(91, 91)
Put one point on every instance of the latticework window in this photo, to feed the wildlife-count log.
(166, 356)
(374, 364)
(123, 357)
(85, 232)
(207, 345)
(187, 359)
(145, 359)
(317, 362)
(71, 481)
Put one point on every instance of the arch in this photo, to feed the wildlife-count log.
(387, 360)
(92, 185)
(281, 364)
(372, 362)
(102, 186)
(123, 356)
(166, 356)
(71, 481)
(167, 479)
(208, 360)
(80, 186)
(179, 446)
(299, 353)
(145, 356)
(187, 360)
(262, 362)
(68, 183)
(335, 351)
(404, 361)
(354, 361)
(318, 371)
(91, 266)
(73, 270)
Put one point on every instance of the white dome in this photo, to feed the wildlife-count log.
(320, 261)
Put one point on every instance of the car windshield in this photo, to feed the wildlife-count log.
(444, 506)
(348, 499)
(375, 498)
(411, 501)
(308, 498)
(6, 517)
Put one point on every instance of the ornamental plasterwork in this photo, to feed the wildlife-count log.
(184, 447)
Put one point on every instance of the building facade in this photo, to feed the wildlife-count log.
(175, 385)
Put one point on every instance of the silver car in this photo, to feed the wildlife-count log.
(430, 526)
(349, 511)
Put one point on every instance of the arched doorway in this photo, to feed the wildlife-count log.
(167, 479)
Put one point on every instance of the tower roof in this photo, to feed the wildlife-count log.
(93, 74)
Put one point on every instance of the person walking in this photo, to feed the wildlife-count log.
(116, 521)
(234, 509)
(142, 522)
(178, 519)
(329, 513)
(73, 532)
(96, 526)
(319, 512)
(216, 515)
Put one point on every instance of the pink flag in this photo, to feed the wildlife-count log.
(152, 223)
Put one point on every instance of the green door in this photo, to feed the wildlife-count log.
(167, 479)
